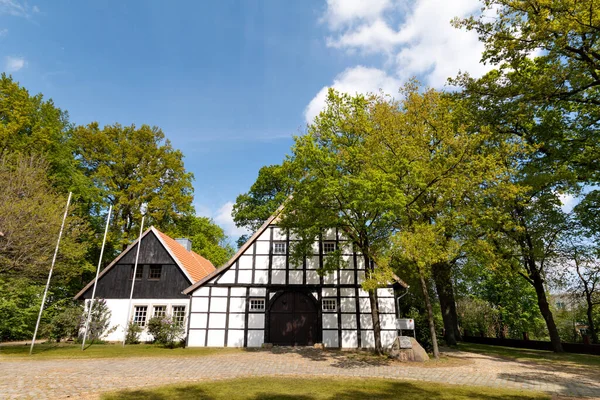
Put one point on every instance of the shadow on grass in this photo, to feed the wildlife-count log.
(315, 389)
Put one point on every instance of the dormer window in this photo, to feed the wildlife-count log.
(329, 247)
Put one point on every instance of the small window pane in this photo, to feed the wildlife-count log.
(138, 273)
(160, 311)
(179, 314)
(155, 272)
(139, 316)
(279, 247)
(329, 304)
(329, 247)
(257, 304)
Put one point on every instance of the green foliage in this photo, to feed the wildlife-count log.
(208, 239)
(66, 323)
(165, 330)
(19, 307)
(133, 333)
(99, 325)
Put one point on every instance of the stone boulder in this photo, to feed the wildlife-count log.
(406, 348)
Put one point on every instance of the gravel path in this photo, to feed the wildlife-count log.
(48, 379)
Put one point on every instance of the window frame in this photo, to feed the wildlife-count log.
(257, 300)
(281, 243)
(138, 321)
(175, 313)
(330, 300)
(139, 271)
(335, 247)
(164, 312)
(160, 268)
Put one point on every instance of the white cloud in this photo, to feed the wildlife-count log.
(354, 80)
(415, 38)
(568, 202)
(3, 32)
(14, 64)
(224, 219)
(15, 8)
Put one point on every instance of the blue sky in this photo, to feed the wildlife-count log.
(229, 82)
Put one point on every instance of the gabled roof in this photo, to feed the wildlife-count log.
(237, 255)
(193, 265)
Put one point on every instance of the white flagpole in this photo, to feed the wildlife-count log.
(89, 316)
(37, 325)
(137, 255)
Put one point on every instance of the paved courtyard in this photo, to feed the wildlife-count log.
(48, 379)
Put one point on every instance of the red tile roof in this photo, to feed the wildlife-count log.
(196, 266)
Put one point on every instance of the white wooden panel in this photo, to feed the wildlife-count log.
(312, 277)
(262, 247)
(295, 277)
(386, 305)
(256, 320)
(236, 320)
(346, 248)
(360, 276)
(330, 338)
(315, 247)
(278, 277)
(262, 262)
(348, 321)
(216, 320)
(347, 292)
(271, 295)
(256, 338)
(367, 339)
(360, 263)
(365, 305)
(296, 264)
(330, 278)
(329, 292)
(238, 291)
(245, 262)
(216, 337)
(279, 234)
(348, 304)
(245, 276)
(227, 277)
(278, 262)
(385, 292)
(346, 277)
(196, 338)
(258, 291)
(330, 321)
(198, 320)
(199, 304)
(312, 262)
(366, 321)
(218, 291)
(218, 304)
(363, 293)
(237, 304)
(350, 339)
(203, 291)
(329, 234)
(261, 276)
(387, 338)
(235, 338)
(387, 321)
(266, 235)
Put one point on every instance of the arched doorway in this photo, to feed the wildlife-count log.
(293, 320)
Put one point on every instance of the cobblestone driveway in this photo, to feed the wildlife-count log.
(46, 379)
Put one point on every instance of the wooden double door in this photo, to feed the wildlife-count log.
(293, 320)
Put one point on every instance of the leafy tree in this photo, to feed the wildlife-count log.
(208, 239)
(66, 323)
(19, 307)
(99, 325)
(132, 167)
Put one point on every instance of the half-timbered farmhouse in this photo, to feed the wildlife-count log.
(166, 267)
(260, 297)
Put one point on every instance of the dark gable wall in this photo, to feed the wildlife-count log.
(115, 284)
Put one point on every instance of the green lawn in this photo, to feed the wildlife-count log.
(71, 350)
(320, 389)
(543, 356)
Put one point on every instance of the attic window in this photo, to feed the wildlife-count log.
(139, 273)
(155, 272)
(329, 247)
(329, 304)
(279, 247)
(257, 304)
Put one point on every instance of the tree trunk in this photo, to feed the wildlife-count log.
(590, 318)
(538, 284)
(374, 312)
(436, 352)
(442, 276)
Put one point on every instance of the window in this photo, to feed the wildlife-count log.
(329, 247)
(179, 314)
(329, 304)
(138, 273)
(139, 316)
(155, 272)
(279, 247)
(160, 311)
(257, 304)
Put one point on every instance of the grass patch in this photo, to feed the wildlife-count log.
(542, 356)
(73, 350)
(320, 389)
